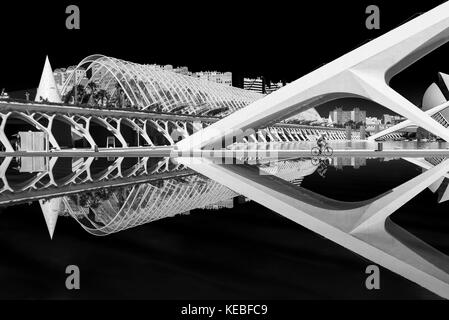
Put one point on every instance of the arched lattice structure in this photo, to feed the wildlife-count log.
(136, 205)
(149, 87)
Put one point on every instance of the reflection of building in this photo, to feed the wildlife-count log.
(355, 162)
(293, 171)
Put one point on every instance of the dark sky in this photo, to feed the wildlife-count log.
(280, 40)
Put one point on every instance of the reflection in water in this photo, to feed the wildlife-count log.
(363, 227)
(106, 211)
(109, 195)
(342, 145)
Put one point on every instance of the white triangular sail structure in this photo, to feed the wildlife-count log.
(47, 89)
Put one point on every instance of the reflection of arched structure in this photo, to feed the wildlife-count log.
(136, 205)
(362, 227)
(290, 170)
(151, 87)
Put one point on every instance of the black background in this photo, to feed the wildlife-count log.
(280, 40)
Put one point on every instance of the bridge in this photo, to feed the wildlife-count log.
(89, 127)
(362, 227)
(157, 108)
(120, 193)
(364, 72)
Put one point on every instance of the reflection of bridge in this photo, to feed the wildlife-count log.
(66, 176)
(139, 204)
(132, 191)
(143, 203)
(363, 227)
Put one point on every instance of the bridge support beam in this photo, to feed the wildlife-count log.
(364, 228)
(364, 72)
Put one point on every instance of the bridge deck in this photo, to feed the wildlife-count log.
(172, 152)
(57, 108)
(9, 105)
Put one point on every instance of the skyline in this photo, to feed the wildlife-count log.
(240, 54)
(372, 109)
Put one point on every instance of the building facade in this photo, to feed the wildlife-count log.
(260, 85)
(215, 76)
(253, 84)
(62, 74)
(392, 120)
(358, 115)
(272, 87)
(340, 116)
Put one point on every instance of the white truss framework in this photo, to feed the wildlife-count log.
(150, 86)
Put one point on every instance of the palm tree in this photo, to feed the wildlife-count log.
(92, 87)
(118, 92)
(76, 93)
(101, 96)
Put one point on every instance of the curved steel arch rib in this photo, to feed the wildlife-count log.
(150, 85)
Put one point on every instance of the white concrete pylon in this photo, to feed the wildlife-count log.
(364, 72)
(444, 192)
(408, 123)
(47, 89)
(434, 186)
(50, 209)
